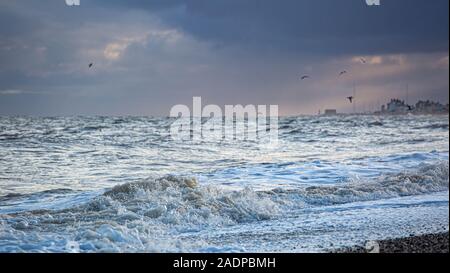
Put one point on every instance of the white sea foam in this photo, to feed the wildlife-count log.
(155, 214)
(427, 179)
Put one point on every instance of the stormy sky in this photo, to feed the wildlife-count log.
(149, 55)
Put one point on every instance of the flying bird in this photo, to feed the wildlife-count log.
(351, 98)
(363, 60)
(90, 65)
(305, 77)
(342, 73)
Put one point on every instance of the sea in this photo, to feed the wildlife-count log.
(123, 184)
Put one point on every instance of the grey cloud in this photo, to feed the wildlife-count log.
(312, 26)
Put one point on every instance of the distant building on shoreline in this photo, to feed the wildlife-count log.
(330, 112)
(398, 107)
(430, 107)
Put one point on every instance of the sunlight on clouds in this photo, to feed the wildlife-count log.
(373, 60)
(113, 51)
(443, 63)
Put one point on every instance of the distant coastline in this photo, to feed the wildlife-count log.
(400, 107)
(396, 106)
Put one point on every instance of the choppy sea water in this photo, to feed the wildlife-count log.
(121, 184)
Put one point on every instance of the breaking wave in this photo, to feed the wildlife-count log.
(427, 179)
(176, 199)
(153, 215)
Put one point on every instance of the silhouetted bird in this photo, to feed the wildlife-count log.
(90, 65)
(363, 60)
(305, 77)
(410, 108)
(342, 73)
(351, 98)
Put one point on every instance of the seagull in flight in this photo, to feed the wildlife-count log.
(363, 61)
(342, 73)
(91, 64)
(351, 98)
(305, 77)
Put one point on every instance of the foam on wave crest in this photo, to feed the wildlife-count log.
(142, 216)
(427, 179)
(178, 199)
(153, 215)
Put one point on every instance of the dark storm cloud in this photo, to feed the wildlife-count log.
(319, 26)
